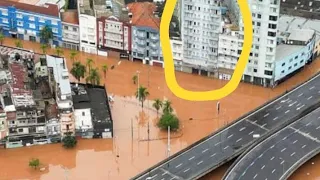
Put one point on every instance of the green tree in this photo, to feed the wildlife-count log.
(73, 54)
(105, 69)
(89, 64)
(1, 38)
(34, 163)
(168, 119)
(18, 43)
(135, 79)
(141, 94)
(46, 34)
(59, 51)
(69, 141)
(44, 48)
(93, 77)
(167, 108)
(157, 104)
(78, 70)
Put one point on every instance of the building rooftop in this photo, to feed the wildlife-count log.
(111, 8)
(96, 99)
(60, 3)
(70, 16)
(291, 23)
(86, 7)
(308, 9)
(142, 14)
(19, 76)
(301, 34)
(284, 50)
(47, 9)
(61, 74)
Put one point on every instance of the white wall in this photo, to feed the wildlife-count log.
(83, 118)
(88, 33)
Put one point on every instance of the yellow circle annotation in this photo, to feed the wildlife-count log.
(169, 64)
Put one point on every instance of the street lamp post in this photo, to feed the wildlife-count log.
(168, 148)
(138, 73)
(283, 162)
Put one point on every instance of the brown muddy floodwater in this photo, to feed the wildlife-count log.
(97, 159)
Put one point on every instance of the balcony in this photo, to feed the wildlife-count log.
(141, 35)
(141, 43)
(154, 38)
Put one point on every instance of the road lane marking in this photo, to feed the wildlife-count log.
(272, 158)
(255, 176)
(213, 154)
(300, 94)
(230, 136)
(318, 127)
(287, 111)
(252, 163)
(260, 156)
(284, 138)
(186, 170)
(300, 107)
(266, 115)
(217, 143)
(303, 146)
(312, 87)
(309, 97)
(225, 147)
(292, 104)
(308, 124)
(191, 158)
(154, 176)
(242, 129)
(283, 149)
(173, 178)
(205, 150)
(164, 173)
(264, 124)
(278, 107)
(275, 118)
(241, 139)
(263, 167)
(293, 154)
(290, 101)
(282, 162)
(296, 140)
(179, 165)
(273, 171)
(199, 162)
(271, 146)
(251, 132)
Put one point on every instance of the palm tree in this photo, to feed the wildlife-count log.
(105, 69)
(141, 94)
(1, 38)
(44, 48)
(89, 64)
(78, 70)
(59, 51)
(18, 43)
(135, 79)
(93, 77)
(46, 34)
(73, 54)
(157, 104)
(167, 107)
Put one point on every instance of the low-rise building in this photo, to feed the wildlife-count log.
(113, 26)
(70, 30)
(87, 24)
(3, 124)
(177, 52)
(25, 21)
(145, 34)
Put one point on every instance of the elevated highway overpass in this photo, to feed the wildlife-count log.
(278, 156)
(216, 149)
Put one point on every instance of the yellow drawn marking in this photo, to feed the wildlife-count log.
(169, 65)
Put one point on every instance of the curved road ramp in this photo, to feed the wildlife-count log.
(218, 148)
(278, 156)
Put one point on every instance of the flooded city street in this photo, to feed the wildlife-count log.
(132, 149)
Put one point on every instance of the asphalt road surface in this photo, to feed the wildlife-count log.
(220, 147)
(281, 154)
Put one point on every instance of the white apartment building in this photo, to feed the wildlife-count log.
(87, 24)
(201, 25)
(70, 30)
(177, 53)
(265, 15)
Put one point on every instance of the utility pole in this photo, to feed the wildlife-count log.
(138, 73)
(168, 150)
(148, 130)
(131, 130)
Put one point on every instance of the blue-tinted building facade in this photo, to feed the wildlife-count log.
(25, 21)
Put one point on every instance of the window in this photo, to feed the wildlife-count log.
(295, 64)
(255, 70)
(289, 68)
(272, 26)
(83, 113)
(5, 20)
(272, 34)
(258, 24)
(282, 71)
(256, 55)
(269, 73)
(291, 60)
(54, 22)
(4, 12)
(32, 26)
(283, 64)
(259, 16)
(273, 18)
(54, 30)
(296, 57)
(65, 27)
(20, 130)
(20, 23)
(301, 61)
(31, 18)
(42, 20)
(19, 15)
(74, 29)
